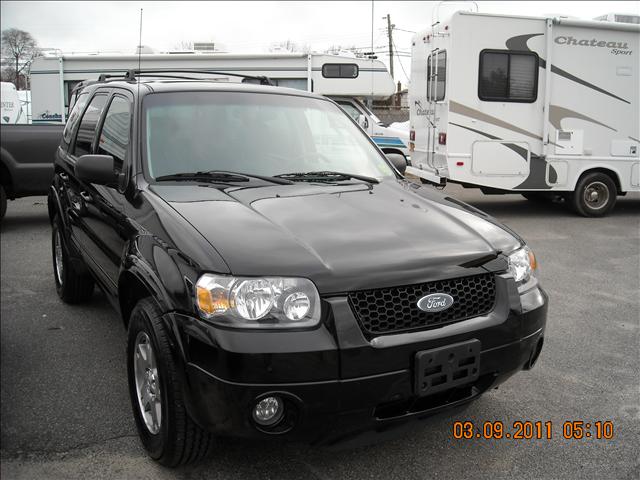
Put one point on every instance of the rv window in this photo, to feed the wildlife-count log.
(88, 125)
(339, 70)
(437, 76)
(73, 118)
(507, 76)
(114, 138)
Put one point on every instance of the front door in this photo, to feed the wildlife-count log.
(101, 218)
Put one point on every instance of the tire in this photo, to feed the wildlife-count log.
(595, 195)
(3, 202)
(72, 287)
(168, 434)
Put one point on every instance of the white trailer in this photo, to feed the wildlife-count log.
(486, 112)
(347, 80)
(12, 109)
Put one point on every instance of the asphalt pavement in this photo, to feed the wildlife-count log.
(65, 411)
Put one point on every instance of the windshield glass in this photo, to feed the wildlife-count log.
(253, 133)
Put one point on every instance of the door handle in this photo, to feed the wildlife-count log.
(86, 197)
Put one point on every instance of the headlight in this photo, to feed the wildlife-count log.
(522, 265)
(269, 302)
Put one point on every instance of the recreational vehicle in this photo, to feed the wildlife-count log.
(486, 112)
(347, 80)
(12, 111)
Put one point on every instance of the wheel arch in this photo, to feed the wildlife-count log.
(606, 170)
(6, 177)
(134, 285)
(393, 150)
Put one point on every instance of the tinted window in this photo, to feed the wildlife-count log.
(74, 117)
(114, 137)
(437, 76)
(508, 76)
(88, 125)
(340, 70)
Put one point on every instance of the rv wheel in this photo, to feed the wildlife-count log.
(595, 195)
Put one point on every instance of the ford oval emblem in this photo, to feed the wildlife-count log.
(436, 302)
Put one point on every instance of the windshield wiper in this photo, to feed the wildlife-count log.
(266, 178)
(326, 176)
(220, 176)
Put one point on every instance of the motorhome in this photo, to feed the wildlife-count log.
(12, 111)
(546, 107)
(347, 80)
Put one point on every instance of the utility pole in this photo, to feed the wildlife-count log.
(390, 35)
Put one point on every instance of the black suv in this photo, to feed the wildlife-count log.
(276, 273)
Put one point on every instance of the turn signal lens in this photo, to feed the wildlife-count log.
(532, 260)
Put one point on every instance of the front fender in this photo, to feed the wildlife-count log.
(152, 268)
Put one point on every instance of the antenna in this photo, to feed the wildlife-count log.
(139, 51)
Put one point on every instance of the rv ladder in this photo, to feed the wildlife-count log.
(432, 96)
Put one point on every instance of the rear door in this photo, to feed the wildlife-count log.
(80, 142)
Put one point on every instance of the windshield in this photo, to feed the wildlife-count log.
(253, 133)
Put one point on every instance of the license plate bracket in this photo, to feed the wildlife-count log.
(446, 367)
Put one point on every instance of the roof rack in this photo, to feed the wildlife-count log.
(133, 75)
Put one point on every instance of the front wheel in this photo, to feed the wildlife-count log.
(165, 428)
(595, 195)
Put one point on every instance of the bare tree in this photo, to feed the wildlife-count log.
(290, 46)
(21, 48)
(183, 46)
(340, 49)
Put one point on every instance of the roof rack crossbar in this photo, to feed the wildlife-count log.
(131, 75)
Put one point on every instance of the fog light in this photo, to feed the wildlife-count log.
(268, 411)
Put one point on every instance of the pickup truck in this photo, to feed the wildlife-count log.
(277, 275)
(26, 160)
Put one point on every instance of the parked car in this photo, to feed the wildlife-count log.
(277, 275)
(26, 160)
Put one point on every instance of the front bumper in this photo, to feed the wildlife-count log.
(336, 383)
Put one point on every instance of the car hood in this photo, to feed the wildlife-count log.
(343, 237)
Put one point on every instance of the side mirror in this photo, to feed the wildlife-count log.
(363, 122)
(398, 161)
(98, 169)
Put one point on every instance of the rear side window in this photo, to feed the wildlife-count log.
(88, 125)
(340, 70)
(437, 76)
(114, 137)
(74, 117)
(507, 76)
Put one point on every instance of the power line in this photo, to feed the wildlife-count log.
(401, 66)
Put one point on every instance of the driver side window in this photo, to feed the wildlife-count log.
(114, 137)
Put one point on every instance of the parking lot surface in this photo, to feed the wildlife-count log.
(65, 411)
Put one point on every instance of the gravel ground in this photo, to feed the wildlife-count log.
(66, 412)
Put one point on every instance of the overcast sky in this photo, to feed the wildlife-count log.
(252, 26)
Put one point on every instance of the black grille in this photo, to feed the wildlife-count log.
(392, 310)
